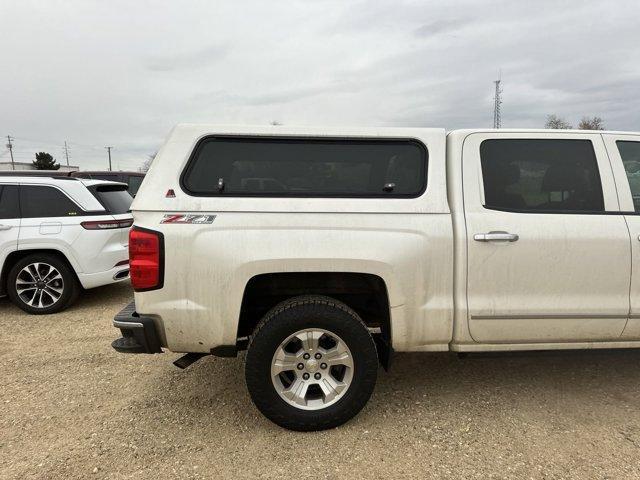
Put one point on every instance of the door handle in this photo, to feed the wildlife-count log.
(496, 237)
(5, 227)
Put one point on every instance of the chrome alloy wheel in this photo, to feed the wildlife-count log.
(39, 285)
(312, 369)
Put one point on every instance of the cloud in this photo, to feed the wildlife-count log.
(438, 27)
(96, 76)
(200, 58)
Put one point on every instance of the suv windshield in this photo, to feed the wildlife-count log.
(115, 198)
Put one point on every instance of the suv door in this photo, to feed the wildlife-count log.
(624, 152)
(548, 255)
(49, 217)
(9, 220)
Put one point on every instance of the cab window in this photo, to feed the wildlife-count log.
(541, 176)
(630, 153)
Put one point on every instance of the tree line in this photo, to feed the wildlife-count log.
(587, 123)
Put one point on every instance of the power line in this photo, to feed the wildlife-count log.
(92, 147)
(67, 147)
(71, 144)
(50, 143)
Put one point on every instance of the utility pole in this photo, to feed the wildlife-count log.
(10, 147)
(109, 152)
(497, 101)
(66, 152)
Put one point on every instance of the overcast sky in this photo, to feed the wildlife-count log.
(123, 73)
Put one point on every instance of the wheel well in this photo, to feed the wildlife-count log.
(18, 255)
(364, 293)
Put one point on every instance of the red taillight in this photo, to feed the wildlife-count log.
(145, 259)
(107, 224)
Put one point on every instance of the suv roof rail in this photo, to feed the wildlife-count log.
(39, 177)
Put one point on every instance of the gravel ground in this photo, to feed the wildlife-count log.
(74, 408)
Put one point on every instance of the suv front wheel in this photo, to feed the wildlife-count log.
(41, 284)
(311, 364)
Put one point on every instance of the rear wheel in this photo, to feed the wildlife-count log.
(311, 364)
(41, 284)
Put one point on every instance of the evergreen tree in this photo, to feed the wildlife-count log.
(44, 161)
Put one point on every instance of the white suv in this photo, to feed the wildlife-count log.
(59, 235)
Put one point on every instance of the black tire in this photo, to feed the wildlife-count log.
(283, 321)
(70, 287)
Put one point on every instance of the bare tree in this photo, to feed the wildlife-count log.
(555, 122)
(146, 165)
(591, 123)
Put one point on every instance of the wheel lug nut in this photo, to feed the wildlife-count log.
(300, 366)
(323, 366)
(305, 376)
(317, 376)
(306, 356)
(318, 356)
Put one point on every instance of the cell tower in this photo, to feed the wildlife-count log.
(66, 152)
(497, 101)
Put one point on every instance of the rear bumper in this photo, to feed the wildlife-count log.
(139, 334)
(92, 280)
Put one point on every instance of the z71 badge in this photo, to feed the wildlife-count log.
(188, 218)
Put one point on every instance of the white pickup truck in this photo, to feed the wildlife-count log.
(323, 250)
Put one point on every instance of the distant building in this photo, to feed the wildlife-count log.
(7, 166)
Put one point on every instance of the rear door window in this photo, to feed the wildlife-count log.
(307, 168)
(9, 205)
(630, 153)
(115, 198)
(540, 175)
(41, 201)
